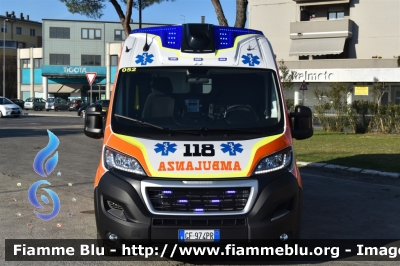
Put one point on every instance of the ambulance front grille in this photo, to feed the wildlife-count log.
(198, 200)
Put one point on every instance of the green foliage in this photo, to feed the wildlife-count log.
(287, 76)
(332, 110)
(378, 90)
(89, 8)
(94, 8)
(359, 115)
(290, 105)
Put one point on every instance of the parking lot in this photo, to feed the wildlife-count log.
(336, 205)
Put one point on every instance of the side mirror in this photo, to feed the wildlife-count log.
(94, 122)
(302, 123)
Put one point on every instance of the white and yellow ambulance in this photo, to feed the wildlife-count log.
(197, 141)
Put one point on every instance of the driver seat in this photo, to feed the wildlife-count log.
(159, 103)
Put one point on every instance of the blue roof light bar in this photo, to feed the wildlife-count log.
(224, 37)
(171, 36)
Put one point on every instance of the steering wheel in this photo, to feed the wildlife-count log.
(240, 114)
(239, 107)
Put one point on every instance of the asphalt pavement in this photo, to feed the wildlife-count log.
(336, 205)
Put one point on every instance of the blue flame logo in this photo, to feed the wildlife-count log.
(44, 169)
(44, 153)
(32, 198)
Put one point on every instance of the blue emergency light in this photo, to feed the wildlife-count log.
(171, 36)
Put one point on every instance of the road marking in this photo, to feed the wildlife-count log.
(351, 181)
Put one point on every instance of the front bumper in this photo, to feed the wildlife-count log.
(276, 210)
(12, 112)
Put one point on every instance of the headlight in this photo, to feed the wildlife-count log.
(8, 109)
(276, 161)
(114, 159)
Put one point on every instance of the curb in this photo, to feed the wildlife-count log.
(51, 114)
(351, 169)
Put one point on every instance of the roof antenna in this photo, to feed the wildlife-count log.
(146, 46)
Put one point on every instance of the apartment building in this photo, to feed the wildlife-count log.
(356, 42)
(19, 32)
(71, 48)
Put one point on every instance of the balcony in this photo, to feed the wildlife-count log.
(321, 29)
(320, 2)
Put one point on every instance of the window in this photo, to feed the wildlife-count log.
(4, 28)
(59, 59)
(38, 62)
(26, 63)
(59, 33)
(18, 31)
(9, 44)
(235, 99)
(114, 60)
(90, 60)
(32, 32)
(119, 35)
(332, 15)
(93, 34)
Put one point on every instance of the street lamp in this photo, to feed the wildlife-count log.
(4, 57)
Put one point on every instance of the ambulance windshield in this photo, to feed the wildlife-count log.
(151, 101)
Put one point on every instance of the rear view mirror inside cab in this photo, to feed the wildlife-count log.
(197, 79)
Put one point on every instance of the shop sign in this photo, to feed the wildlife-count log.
(361, 90)
(75, 70)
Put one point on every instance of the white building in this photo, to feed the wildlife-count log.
(71, 48)
(352, 41)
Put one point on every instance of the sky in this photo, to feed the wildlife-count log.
(176, 12)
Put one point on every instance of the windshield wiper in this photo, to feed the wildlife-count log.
(236, 130)
(140, 122)
(143, 123)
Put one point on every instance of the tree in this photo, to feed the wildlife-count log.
(287, 76)
(241, 7)
(378, 90)
(94, 9)
(10, 76)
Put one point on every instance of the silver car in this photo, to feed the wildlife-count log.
(35, 104)
(56, 104)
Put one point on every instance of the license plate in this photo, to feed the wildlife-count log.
(199, 235)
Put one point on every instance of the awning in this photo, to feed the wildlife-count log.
(60, 88)
(321, 2)
(320, 46)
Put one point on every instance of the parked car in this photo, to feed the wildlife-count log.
(56, 104)
(35, 104)
(8, 108)
(18, 102)
(74, 105)
(103, 103)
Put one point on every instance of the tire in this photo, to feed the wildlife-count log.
(47, 110)
(1, 115)
(35, 108)
(83, 113)
(56, 109)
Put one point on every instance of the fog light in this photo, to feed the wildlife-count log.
(113, 237)
(283, 237)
